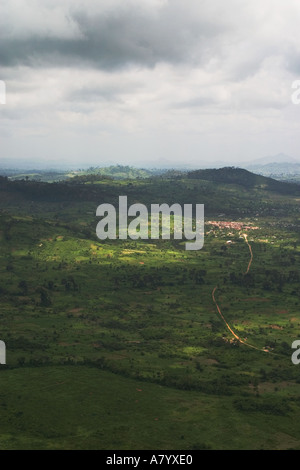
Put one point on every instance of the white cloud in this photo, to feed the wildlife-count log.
(183, 78)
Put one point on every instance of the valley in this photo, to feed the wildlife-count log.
(120, 344)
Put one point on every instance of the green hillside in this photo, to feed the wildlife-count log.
(245, 178)
(119, 343)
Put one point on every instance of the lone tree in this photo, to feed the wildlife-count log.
(24, 287)
(45, 298)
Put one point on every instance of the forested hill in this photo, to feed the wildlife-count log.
(225, 189)
(242, 177)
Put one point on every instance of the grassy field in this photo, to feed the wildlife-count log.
(76, 407)
(119, 345)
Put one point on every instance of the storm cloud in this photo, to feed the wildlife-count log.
(132, 81)
(126, 33)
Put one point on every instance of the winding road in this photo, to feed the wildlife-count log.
(251, 254)
(221, 314)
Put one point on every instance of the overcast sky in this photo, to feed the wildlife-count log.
(149, 81)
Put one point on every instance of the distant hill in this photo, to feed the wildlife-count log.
(245, 178)
(232, 191)
(276, 170)
(229, 175)
(117, 172)
(280, 166)
(91, 174)
(281, 158)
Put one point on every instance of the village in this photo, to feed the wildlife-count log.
(231, 225)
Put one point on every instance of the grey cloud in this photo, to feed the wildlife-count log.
(93, 94)
(12, 114)
(142, 77)
(293, 61)
(118, 38)
(100, 93)
(197, 102)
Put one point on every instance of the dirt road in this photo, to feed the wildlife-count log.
(219, 310)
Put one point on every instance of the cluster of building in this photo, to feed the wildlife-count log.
(231, 225)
